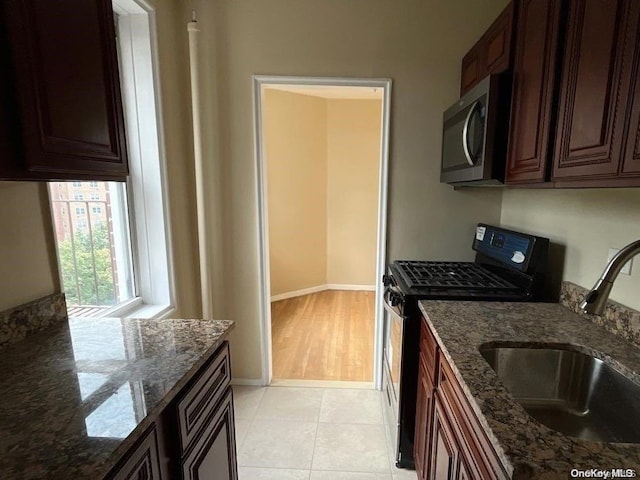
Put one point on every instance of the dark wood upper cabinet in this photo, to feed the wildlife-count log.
(65, 78)
(534, 78)
(473, 69)
(595, 86)
(490, 54)
(631, 158)
(498, 40)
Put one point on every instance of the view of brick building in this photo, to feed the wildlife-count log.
(78, 206)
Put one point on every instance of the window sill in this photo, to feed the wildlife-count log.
(151, 312)
(134, 309)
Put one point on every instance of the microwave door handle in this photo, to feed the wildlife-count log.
(465, 134)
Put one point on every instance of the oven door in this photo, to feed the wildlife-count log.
(392, 359)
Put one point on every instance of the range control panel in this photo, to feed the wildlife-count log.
(510, 248)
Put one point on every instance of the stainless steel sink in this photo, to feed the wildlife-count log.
(573, 393)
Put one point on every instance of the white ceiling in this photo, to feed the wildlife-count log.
(324, 91)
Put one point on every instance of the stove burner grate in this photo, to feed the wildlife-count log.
(465, 275)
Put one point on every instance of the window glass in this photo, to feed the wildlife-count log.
(93, 244)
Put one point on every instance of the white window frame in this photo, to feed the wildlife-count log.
(146, 185)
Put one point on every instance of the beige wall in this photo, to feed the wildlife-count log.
(295, 134)
(586, 223)
(28, 265)
(353, 159)
(419, 45)
(322, 159)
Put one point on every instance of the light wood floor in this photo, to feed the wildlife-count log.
(324, 336)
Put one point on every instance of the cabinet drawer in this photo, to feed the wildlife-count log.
(203, 394)
(428, 349)
(143, 462)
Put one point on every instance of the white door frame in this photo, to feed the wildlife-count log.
(259, 84)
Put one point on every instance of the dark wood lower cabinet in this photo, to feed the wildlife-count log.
(143, 462)
(455, 445)
(444, 449)
(213, 454)
(423, 420)
(194, 437)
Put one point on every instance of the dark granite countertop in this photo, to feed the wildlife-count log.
(75, 397)
(526, 447)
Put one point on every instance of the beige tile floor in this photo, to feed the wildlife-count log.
(306, 433)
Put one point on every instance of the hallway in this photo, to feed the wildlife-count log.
(324, 336)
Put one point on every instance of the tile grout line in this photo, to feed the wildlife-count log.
(250, 423)
(315, 439)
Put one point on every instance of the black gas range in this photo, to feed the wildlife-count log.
(509, 266)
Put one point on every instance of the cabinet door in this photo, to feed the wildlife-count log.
(631, 161)
(201, 397)
(474, 67)
(491, 54)
(594, 90)
(213, 455)
(498, 42)
(67, 83)
(444, 451)
(534, 79)
(143, 461)
(463, 471)
(423, 415)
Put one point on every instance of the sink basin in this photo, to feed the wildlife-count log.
(570, 392)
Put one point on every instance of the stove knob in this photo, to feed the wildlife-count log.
(395, 299)
(387, 280)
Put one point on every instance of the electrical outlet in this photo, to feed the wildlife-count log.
(627, 266)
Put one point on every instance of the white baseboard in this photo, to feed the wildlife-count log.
(322, 384)
(322, 288)
(340, 286)
(298, 293)
(249, 382)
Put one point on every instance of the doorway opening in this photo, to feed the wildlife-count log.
(322, 160)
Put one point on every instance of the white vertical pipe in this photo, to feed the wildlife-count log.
(205, 284)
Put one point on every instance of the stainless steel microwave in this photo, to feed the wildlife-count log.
(474, 138)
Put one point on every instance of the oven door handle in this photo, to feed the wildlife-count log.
(389, 291)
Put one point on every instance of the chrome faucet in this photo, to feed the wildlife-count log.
(596, 299)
